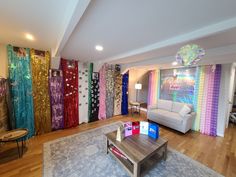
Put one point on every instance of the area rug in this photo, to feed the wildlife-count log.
(84, 154)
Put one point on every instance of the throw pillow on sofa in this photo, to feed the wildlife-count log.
(184, 111)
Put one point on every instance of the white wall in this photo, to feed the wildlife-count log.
(135, 75)
(3, 61)
(223, 99)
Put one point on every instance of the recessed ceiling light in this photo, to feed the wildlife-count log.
(29, 36)
(99, 48)
(174, 63)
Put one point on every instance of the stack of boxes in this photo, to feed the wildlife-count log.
(142, 127)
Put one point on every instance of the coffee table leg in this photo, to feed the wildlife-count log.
(165, 152)
(107, 145)
(136, 172)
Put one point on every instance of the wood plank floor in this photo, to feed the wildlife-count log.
(217, 153)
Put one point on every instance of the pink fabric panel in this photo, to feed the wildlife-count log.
(102, 95)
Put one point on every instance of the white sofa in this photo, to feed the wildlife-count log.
(167, 113)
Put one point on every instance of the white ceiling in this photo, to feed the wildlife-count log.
(137, 29)
(44, 19)
(129, 30)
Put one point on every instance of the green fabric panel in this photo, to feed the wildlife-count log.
(90, 73)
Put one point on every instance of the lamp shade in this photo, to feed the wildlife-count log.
(138, 86)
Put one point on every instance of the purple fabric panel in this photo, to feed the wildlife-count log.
(215, 100)
(56, 99)
(210, 88)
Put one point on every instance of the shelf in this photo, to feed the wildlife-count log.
(125, 163)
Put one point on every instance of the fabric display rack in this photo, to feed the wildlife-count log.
(43, 99)
(113, 87)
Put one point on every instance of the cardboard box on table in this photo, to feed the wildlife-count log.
(128, 128)
(144, 127)
(135, 128)
(153, 130)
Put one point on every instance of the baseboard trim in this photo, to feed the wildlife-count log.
(220, 134)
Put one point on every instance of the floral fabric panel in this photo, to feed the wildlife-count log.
(70, 79)
(110, 91)
(56, 98)
(94, 97)
(20, 80)
(40, 61)
(83, 93)
(102, 94)
(118, 91)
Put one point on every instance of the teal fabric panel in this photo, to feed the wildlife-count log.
(20, 79)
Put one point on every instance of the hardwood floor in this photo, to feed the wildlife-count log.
(217, 153)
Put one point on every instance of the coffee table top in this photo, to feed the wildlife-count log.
(137, 147)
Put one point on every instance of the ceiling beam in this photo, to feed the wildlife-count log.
(200, 33)
(74, 13)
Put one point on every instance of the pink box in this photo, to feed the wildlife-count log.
(128, 128)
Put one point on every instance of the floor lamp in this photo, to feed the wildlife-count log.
(138, 87)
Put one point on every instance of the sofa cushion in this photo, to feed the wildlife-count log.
(177, 106)
(166, 116)
(184, 111)
(164, 104)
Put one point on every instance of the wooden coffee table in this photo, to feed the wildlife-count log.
(141, 151)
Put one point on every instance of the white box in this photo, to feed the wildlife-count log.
(144, 127)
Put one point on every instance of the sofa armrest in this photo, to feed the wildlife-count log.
(191, 115)
(154, 106)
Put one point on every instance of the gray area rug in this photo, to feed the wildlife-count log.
(84, 154)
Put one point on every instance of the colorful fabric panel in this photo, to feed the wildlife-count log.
(56, 98)
(20, 79)
(83, 92)
(40, 61)
(70, 79)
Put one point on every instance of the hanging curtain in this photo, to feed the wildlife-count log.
(70, 79)
(118, 91)
(94, 97)
(207, 85)
(152, 88)
(21, 88)
(124, 103)
(215, 101)
(83, 92)
(90, 75)
(109, 91)
(56, 98)
(4, 121)
(40, 62)
(102, 97)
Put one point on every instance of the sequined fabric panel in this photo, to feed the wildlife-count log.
(70, 79)
(40, 61)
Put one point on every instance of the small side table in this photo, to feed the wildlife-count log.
(135, 107)
(16, 135)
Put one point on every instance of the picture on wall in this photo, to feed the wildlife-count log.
(177, 84)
